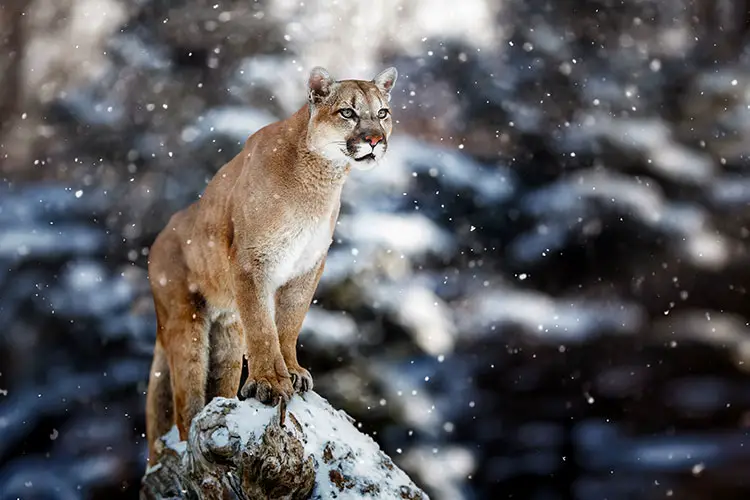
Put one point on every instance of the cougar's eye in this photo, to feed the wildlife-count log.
(383, 113)
(347, 113)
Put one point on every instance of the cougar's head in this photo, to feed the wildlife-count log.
(350, 120)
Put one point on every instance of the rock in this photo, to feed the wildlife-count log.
(244, 449)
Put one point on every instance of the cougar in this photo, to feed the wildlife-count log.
(235, 272)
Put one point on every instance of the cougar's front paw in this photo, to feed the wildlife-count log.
(268, 386)
(301, 379)
(268, 390)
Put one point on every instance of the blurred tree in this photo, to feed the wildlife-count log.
(12, 37)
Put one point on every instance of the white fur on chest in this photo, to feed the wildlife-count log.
(300, 249)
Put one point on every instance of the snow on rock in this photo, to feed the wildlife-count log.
(242, 449)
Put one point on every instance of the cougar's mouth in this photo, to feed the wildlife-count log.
(368, 156)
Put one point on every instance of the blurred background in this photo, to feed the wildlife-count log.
(540, 294)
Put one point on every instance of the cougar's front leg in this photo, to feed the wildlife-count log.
(292, 303)
(268, 378)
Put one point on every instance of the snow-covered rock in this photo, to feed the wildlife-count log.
(244, 449)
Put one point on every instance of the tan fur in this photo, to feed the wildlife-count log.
(235, 272)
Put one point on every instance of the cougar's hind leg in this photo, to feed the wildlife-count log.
(187, 352)
(227, 345)
(159, 415)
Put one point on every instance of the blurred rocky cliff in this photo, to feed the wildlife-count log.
(541, 293)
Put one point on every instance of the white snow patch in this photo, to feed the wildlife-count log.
(65, 48)
(444, 472)
(329, 328)
(322, 425)
(172, 440)
(671, 455)
(538, 314)
(422, 313)
(250, 420)
(417, 407)
(709, 326)
(570, 203)
(317, 35)
(233, 121)
(220, 437)
(407, 157)
(273, 73)
(653, 141)
(47, 241)
(731, 192)
(408, 234)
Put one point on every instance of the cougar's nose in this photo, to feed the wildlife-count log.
(373, 139)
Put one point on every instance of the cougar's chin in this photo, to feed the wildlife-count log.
(367, 162)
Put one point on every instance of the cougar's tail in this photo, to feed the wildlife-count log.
(159, 413)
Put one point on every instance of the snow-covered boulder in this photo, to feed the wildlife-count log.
(244, 449)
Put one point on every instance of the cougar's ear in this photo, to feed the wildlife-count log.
(319, 85)
(386, 80)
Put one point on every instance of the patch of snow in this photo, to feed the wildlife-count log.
(325, 432)
(138, 54)
(90, 108)
(411, 235)
(277, 74)
(317, 36)
(546, 239)
(653, 140)
(568, 198)
(43, 203)
(404, 388)
(220, 437)
(705, 326)
(329, 328)
(421, 312)
(172, 440)
(707, 250)
(731, 192)
(558, 320)
(249, 420)
(87, 24)
(666, 454)
(339, 266)
(90, 280)
(444, 472)
(407, 157)
(48, 241)
(563, 209)
(233, 121)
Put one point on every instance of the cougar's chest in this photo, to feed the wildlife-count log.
(300, 248)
